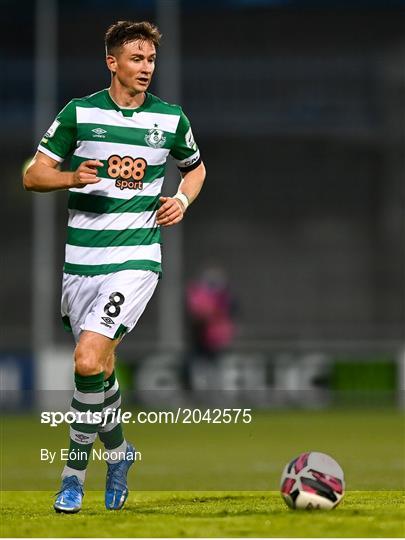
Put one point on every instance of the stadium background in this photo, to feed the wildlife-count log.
(298, 108)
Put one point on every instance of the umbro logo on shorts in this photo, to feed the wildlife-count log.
(107, 322)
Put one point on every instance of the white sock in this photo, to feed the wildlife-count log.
(68, 471)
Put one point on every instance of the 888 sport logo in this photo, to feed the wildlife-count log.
(128, 172)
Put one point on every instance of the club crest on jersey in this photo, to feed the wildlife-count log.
(155, 137)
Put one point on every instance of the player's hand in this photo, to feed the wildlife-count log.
(86, 173)
(171, 211)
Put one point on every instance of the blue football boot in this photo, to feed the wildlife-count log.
(116, 489)
(69, 498)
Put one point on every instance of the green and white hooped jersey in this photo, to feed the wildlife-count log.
(112, 224)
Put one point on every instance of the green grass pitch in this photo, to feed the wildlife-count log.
(202, 514)
(215, 481)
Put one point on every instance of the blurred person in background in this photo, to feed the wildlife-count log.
(210, 308)
(120, 139)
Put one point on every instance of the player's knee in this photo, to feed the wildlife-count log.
(86, 361)
(109, 365)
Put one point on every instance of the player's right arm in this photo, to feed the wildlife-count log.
(43, 174)
(58, 142)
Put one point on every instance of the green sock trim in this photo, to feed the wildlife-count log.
(112, 399)
(112, 439)
(109, 382)
(78, 456)
(84, 407)
(90, 383)
(85, 428)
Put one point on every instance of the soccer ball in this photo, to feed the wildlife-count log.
(312, 481)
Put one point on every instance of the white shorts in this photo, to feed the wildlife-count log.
(109, 304)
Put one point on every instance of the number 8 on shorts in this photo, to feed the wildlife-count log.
(112, 308)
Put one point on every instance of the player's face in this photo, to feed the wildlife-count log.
(134, 65)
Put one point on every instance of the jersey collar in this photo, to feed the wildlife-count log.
(127, 111)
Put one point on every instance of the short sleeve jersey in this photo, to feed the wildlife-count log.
(112, 224)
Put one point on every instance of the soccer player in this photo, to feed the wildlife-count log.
(120, 139)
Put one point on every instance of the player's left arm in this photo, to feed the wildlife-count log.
(187, 157)
(173, 208)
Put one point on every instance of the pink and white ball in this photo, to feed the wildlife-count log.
(312, 481)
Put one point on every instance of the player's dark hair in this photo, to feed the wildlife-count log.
(123, 32)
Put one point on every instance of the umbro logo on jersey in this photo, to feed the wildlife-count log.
(107, 322)
(99, 132)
